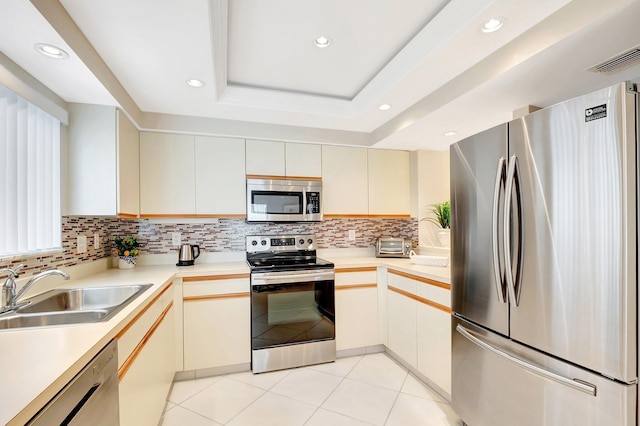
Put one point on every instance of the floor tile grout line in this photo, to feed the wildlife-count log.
(334, 389)
(395, 401)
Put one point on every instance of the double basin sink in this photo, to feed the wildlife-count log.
(72, 306)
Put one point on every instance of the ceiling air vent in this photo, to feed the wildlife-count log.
(618, 62)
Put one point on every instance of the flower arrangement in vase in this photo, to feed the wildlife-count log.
(126, 248)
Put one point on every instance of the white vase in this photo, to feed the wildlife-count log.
(444, 235)
(127, 262)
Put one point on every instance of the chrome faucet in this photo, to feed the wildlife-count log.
(10, 296)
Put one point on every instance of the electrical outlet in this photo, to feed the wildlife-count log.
(352, 234)
(82, 244)
(96, 241)
(176, 238)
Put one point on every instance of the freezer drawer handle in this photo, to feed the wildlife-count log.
(573, 383)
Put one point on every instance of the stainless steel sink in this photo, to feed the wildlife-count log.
(72, 306)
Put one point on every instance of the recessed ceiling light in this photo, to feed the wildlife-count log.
(384, 107)
(322, 42)
(194, 82)
(493, 24)
(450, 133)
(51, 51)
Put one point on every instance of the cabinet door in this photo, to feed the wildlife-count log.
(167, 174)
(434, 345)
(357, 309)
(220, 176)
(389, 182)
(92, 160)
(303, 160)
(145, 383)
(217, 323)
(402, 327)
(265, 158)
(344, 180)
(128, 175)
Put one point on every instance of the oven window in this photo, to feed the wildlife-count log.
(276, 202)
(284, 314)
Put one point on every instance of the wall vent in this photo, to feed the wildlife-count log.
(618, 62)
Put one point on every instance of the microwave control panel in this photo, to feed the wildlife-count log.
(313, 202)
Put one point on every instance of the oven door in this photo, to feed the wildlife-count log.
(292, 307)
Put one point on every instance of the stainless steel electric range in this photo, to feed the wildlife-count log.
(292, 303)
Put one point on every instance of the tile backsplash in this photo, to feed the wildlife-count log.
(225, 235)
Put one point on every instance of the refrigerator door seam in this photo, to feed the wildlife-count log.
(497, 271)
(580, 385)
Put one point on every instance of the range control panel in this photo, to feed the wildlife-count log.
(275, 243)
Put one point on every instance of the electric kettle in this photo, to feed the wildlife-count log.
(188, 254)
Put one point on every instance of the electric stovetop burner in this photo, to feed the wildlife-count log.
(284, 252)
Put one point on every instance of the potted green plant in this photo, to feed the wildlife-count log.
(126, 248)
(442, 218)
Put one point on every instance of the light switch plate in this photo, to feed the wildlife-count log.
(96, 241)
(352, 234)
(82, 243)
(176, 238)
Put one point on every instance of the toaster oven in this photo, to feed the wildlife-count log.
(393, 247)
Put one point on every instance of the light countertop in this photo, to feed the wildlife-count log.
(36, 363)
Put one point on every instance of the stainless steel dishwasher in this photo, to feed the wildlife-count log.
(91, 398)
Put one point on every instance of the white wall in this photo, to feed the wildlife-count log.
(431, 185)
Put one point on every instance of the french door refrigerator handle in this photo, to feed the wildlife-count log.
(497, 271)
(513, 174)
(572, 383)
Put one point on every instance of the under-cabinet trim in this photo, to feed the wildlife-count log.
(191, 216)
(356, 286)
(276, 177)
(124, 368)
(422, 300)
(366, 216)
(421, 279)
(215, 297)
(357, 269)
(215, 277)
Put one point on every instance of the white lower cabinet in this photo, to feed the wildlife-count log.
(420, 325)
(146, 358)
(402, 321)
(356, 308)
(217, 321)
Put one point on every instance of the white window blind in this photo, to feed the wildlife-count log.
(29, 177)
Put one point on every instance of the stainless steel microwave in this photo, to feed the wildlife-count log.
(275, 200)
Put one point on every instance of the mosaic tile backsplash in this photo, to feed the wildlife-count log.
(227, 235)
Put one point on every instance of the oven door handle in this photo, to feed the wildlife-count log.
(279, 278)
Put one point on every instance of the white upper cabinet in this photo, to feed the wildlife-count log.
(128, 175)
(295, 160)
(265, 158)
(220, 176)
(303, 160)
(389, 182)
(103, 162)
(344, 180)
(167, 175)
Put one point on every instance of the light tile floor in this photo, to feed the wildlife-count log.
(362, 390)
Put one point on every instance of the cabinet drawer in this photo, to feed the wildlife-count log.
(195, 287)
(354, 276)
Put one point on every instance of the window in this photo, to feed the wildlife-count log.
(29, 177)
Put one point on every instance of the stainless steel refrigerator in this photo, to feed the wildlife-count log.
(544, 266)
